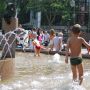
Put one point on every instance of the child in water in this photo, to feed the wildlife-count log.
(37, 47)
(74, 43)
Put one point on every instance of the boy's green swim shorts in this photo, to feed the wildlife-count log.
(76, 61)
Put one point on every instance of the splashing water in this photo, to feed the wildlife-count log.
(4, 87)
(56, 59)
(76, 86)
(72, 86)
(19, 85)
(36, 84)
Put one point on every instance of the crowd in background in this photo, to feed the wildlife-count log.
(51, 40)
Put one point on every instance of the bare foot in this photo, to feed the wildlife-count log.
(39, 55)
(35, 55)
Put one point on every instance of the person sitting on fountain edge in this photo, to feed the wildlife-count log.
(74, 44)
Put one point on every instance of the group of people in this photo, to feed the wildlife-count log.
(51, 42)
(40, 39)
(43, 40)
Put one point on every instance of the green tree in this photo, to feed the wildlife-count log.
(51, 8)
(2, 8)
(22, 10)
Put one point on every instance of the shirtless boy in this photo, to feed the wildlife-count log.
(74, 44)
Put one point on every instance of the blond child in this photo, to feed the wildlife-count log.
(74, 44)
(37, 47)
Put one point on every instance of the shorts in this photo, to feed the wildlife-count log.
(76, 61)
(38, 47)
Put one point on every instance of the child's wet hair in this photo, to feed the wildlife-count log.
(76, 29)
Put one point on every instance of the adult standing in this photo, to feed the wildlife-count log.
(56, 43)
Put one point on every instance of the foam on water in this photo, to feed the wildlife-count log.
(86, 74)
(55, 59)
(44, 78)
(77, 87)
(36, 84)
(5, 87)
(19, 85)
(73, 86)
(44, 83)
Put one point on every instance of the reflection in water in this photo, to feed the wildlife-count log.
(44, 73)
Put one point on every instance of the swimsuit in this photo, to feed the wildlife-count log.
(76, 61)
(37, 44)
(38, 47)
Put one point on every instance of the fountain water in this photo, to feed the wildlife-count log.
(55, 59)
(36, 73)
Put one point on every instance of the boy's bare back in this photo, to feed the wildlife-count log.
(75, 45)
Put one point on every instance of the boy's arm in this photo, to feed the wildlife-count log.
(85, 43)
(67, 51)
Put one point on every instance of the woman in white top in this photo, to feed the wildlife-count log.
(56, 43)
(52, 35)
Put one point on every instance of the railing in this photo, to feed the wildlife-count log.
(60, 28)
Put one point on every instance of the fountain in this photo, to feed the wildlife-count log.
(7, 42)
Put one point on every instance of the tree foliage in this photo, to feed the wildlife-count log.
(2, 8)
(22, 10)
(51, 8)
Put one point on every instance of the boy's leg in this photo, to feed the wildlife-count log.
(74, 72)
(80, 72)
